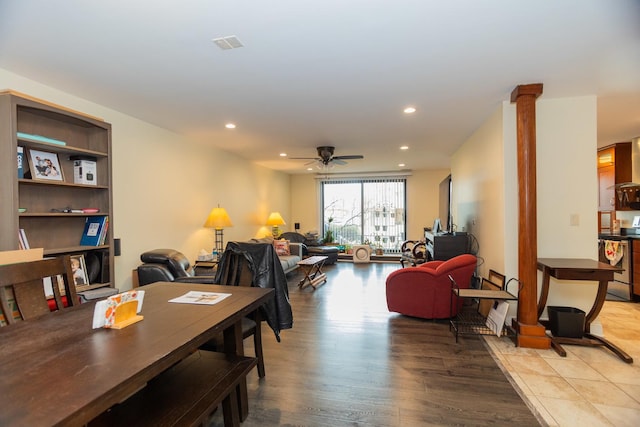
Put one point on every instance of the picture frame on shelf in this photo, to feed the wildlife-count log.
(79, 268)
(45, 165)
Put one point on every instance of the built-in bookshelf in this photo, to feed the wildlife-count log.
(46, 202)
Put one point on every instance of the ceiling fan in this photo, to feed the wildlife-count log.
(326, 157)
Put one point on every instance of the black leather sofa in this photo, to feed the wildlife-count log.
(168, 265)
(312, 247)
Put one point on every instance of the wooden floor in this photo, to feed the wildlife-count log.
(349, 362)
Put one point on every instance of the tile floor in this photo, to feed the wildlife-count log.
(589, 387)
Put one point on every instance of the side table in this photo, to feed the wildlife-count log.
(471, 322)
(312, 268)
(579, 269)
(205, 268)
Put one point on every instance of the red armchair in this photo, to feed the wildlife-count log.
(425, 291)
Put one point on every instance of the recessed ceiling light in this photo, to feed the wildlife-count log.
(283, 154)
(230, 126)
(401, 165)
(409, 110)
(309, 169)
(404, 147)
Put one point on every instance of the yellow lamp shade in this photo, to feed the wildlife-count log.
(275, 219)
(218, 219)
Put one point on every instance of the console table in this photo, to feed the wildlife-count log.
(579, 269)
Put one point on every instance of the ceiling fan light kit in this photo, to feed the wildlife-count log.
(326, 159)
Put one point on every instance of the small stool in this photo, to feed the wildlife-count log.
(313, 274)
(331, 252)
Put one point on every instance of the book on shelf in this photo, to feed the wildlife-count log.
(103, 233)
(20, 162)
(22, 239)
(94, 231)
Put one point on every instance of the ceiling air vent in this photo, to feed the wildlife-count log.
(229, 42)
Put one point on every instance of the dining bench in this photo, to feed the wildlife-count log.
(186, 394)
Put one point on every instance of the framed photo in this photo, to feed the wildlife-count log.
(79, 268)
(45, 165)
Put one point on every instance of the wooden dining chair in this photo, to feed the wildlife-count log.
(235, 270)
(22, 293)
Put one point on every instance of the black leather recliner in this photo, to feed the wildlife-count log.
(168, 265)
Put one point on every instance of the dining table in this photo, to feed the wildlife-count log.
(58, 370)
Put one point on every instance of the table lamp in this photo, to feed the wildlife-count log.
(218, 219)
(274, 220)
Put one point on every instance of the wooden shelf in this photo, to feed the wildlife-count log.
(58, 233)
(64, 149)
(61, 184)
(58, 214)
(73, 249)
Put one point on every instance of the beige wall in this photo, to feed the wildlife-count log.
(422, 201)
(566, 189)
(165, 185)
(477, 175)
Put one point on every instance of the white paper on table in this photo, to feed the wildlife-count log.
(197, 297)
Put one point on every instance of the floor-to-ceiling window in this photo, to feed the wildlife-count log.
(365, 210)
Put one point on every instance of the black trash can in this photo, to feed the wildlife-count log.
(566, 322)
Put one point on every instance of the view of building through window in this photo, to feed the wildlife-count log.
(365, 211)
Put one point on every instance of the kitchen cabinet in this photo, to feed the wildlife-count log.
(614, 167)
(635, 270)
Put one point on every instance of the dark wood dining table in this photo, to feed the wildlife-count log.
(57, 370)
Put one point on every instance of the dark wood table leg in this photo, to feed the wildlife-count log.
(601, 296)
(555, 344)
(233, 345)
(544, 290)
(230, 411)
(614, 348)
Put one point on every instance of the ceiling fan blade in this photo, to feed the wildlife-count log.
(303, 158)
(312, 162)
(338, 161)
(355, 156)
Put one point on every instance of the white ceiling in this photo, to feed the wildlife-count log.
(330, 72)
